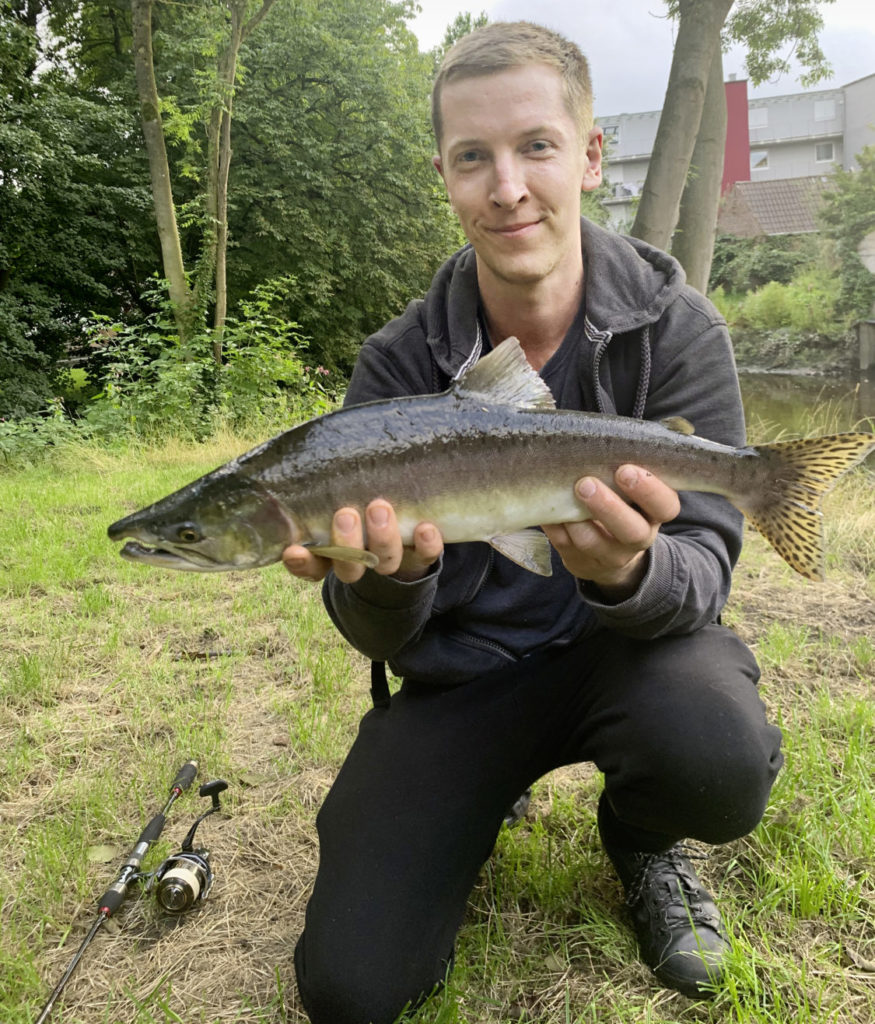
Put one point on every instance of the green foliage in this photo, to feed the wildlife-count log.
(807, 303)
(332, 188)
(775, 30)
(26, 440)
(848, 216)
(462, 25)
(74, 212)
(332, 180)
(153, 383)
(742, 264)
(793, 324)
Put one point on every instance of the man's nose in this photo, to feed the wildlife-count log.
(508, 186)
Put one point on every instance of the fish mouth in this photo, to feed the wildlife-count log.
(195, 561)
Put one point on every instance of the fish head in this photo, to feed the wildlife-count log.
(221, 522)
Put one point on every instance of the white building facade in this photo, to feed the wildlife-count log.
(800, 135)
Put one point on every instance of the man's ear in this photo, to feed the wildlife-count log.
(439, 167)
(592, 176)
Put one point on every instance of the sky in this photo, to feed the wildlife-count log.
(629, 43)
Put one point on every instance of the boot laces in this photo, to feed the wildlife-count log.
(676, 859)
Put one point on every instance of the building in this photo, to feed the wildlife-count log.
(803, 135)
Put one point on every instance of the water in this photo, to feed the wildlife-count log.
(801, 405)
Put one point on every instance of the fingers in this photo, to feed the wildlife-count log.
(380, 527)
(347, 532)
(631, 525)
(428, 546)
(304, 565)
(610, 548)
(384, 537)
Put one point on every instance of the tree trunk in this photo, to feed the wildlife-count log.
(698, 39)
(214, 262)
(693, 242)
(162, 193)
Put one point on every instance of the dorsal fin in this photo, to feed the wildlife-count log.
(678, 425)
(505, 376)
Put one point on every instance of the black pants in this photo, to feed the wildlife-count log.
(675, 724)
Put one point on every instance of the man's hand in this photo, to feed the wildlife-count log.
(611, 548)
(384, 541)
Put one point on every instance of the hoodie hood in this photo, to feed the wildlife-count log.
(629, 284)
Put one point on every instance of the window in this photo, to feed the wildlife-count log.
(759, 159)
(824, 110)
(612, 133)
(758, 117)
(823, 152)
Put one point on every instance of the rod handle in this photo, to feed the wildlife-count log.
(185, 776)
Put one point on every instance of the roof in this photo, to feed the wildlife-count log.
(785, 206)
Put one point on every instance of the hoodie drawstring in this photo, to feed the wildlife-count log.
(643, 375)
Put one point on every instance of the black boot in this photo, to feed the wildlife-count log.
(680, 933)
(516, 814)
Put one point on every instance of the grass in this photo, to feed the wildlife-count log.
(112, 675)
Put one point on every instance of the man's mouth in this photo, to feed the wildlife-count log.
(516, 230)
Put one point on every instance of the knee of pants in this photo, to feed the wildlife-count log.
(343, 990)
(714, 792)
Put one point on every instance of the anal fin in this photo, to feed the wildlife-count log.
(528, 548)
(344, 554)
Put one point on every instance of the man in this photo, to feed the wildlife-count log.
(618, 658)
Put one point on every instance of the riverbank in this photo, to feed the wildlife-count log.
(113, 674)
(786, 350)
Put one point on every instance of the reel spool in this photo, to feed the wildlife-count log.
(183, 880)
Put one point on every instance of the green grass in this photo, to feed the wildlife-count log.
(113, 674)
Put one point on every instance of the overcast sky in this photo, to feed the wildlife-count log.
(629, 43)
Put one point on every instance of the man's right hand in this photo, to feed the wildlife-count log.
(384, 541)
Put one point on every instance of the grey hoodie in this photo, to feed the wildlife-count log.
(644, 345)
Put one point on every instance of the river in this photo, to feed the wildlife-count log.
(800, 404)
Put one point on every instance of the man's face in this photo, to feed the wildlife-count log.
(514, 165)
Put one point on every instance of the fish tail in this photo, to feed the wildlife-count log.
(799, 473)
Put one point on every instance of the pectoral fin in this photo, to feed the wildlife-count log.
(528, 548)
(343, 554)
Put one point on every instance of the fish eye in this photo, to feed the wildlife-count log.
(188, 533)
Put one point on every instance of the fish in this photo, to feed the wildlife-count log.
(491, 459)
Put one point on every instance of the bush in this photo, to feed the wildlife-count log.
(153, 384)
(812, 300)
(28, 439)
(767, 307)
(742, 264)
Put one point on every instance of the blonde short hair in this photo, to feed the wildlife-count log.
(511, 44)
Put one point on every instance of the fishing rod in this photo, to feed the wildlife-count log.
(129, 873)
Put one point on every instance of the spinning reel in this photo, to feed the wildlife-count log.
(186, 877)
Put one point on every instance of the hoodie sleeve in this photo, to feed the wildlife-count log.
(377, 614)
(690, 566)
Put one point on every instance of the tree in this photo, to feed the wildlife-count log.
(462, 25)
(211, 278)
(698, 40)
(74, 220)
(764, 27)
(332, 185)
(849, 215)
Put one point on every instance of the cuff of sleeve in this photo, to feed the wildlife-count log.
(392, 594)
(653, 596)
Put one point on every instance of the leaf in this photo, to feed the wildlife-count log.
(102, 854)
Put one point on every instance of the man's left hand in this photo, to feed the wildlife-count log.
(611, 549)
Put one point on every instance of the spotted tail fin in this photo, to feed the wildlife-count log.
(800, 473)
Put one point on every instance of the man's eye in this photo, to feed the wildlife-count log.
(470, 156)
(539, 146)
